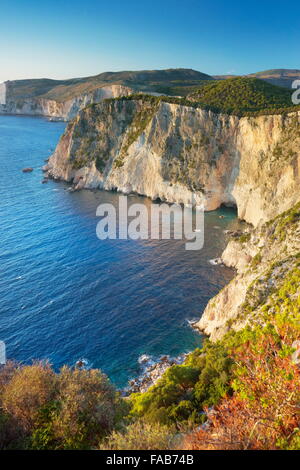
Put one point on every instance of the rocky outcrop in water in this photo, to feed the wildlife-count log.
(171, 152)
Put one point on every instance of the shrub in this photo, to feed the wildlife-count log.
(183, 391)
(264, 411)
(141, 436)
(43, 410)
(29, 389)
(88, 409)
(245, 237)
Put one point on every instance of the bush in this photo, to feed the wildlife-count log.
(183, 391)
(264, 411)
(43, 410)
(89, 407)
(141, 436)
(29, 389)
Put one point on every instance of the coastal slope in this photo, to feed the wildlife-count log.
(66, 109)
(174, 152)
(62, 99)
(267, 261)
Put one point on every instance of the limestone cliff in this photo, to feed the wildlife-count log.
(65, 109)
(170, 151)
(266, 259)
(64, 98)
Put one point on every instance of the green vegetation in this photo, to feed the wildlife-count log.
(240, 98)
(137, 126)
(243, 95)
(256, 260)
(180, 88)
(284, 221)
(100, 163)
(263, 412)
(279, 77)
(245, 237)
(170, 80)
(175, 82)
(184, 390)
(141, 436)
(39, 409)
(250, 377)
(284, 302)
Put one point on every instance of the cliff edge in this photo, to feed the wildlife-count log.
(267, 262)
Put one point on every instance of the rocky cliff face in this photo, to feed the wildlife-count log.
(66, 110)
(170, 151)
(267, 262)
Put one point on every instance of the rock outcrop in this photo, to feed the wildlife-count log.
(266, 259)
(171, 152)
(151, 372)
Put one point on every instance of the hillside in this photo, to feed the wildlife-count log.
(245, 387)
(279, 77)
(240, 95)
(63, 99)
(241, 389)
(144, 80)
(169, 81)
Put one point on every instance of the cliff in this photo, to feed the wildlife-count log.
(170, 151)
(267, 260)
(11, 103)
(64, 98)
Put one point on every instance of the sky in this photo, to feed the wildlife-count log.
(71, 38)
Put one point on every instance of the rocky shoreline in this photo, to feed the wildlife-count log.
(151, 372)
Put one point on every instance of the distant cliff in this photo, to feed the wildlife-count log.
(66, 110)
(64, 98)
(169, 151)
(279, 77)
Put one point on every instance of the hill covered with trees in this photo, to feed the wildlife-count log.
(241, 95)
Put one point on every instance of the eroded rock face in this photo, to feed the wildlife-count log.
(172, 152)
(64, 110)
(264, 259)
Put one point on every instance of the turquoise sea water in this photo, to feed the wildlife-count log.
(66, 295)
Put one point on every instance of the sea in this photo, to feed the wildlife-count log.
(65, 295)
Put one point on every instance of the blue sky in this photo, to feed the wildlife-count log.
(70, 38)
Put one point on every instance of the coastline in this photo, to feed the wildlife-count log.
(151, 371)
